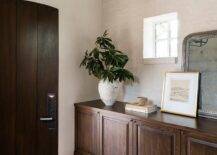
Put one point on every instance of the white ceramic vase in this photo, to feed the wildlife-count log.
(109, 91)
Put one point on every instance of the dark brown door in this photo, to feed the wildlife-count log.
(29, 85)
(47, 80)
(7, 77)
(153, 139)
(26, 115)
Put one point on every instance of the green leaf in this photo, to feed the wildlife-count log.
(106, 62)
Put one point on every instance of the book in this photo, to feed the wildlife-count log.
(142, 105)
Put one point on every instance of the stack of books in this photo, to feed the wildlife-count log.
(142, 106)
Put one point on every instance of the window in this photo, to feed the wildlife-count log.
(166, 39)
(160, 36)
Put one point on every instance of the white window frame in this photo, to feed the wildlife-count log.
(149, 39)
(169, 38)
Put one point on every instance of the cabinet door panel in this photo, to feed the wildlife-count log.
(199, 145)
(155, 140)
(115, 136)
(87, 124)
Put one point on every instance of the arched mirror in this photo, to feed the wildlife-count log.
(200, 54)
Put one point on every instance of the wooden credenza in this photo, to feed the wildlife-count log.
(102, 130)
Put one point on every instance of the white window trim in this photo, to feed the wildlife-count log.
(161, 60)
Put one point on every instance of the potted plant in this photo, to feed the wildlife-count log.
(107, 64)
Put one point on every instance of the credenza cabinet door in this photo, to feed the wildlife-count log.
(151, 139)
(115, 135)
(87, 132)
(198, 144)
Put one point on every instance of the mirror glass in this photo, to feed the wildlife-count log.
(200, 54)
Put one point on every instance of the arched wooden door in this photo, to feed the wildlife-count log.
(29, 81)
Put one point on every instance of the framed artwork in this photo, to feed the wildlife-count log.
(180, 93)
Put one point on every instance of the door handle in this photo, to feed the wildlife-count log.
(51, 113)
(46, 119)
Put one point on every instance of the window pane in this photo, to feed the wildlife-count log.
(174, 28)
(162, 49)
(162, 30)
(174, 48)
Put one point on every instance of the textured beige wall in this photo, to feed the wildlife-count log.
(124, 19)
(79, 24)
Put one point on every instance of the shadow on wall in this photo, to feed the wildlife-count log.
(125, 46)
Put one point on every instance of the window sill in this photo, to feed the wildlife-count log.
(167, 60)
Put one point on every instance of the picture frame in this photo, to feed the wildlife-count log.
(180, 93)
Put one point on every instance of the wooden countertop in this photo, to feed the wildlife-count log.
(181, 122)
